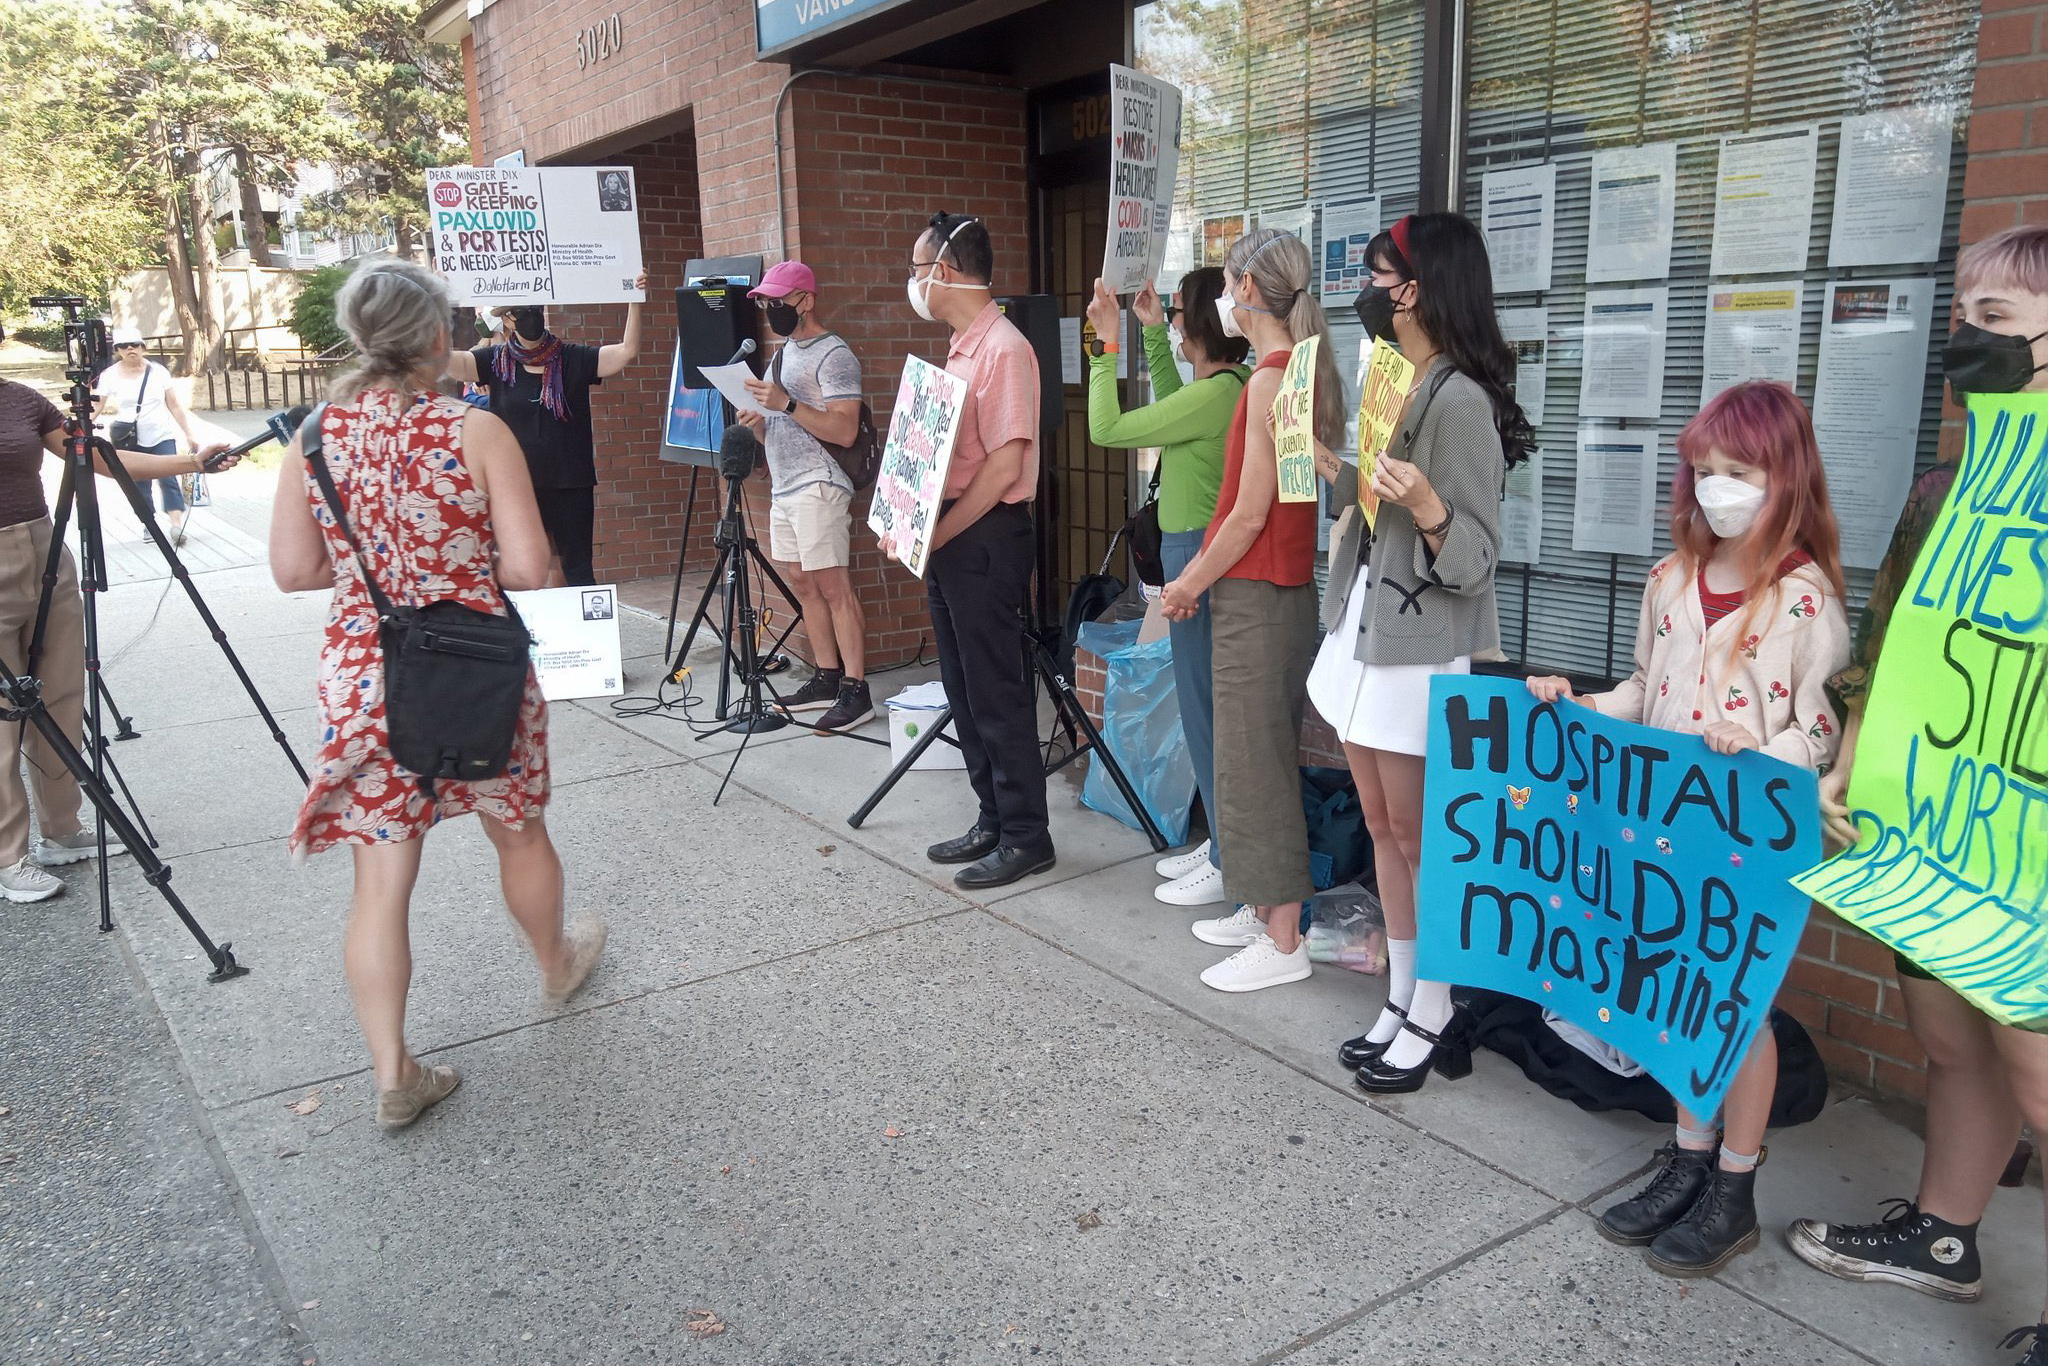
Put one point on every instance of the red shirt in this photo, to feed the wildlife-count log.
(1714, 606)
(1001, 371)
(1285, 552)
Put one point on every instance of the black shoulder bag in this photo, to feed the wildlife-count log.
(1141, 534)
(454, 677)
(861, 461)
(124, 435)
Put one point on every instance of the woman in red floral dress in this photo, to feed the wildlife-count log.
(438, 494)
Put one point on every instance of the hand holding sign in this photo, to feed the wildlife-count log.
(912, 481)
(1384, 381)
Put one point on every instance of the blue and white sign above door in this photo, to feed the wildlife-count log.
(778, 23)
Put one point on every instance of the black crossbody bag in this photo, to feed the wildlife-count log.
(1141, 534)
(454, 677)
(123, 435)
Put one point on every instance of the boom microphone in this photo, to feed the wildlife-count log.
(280, 427)
(739, 451)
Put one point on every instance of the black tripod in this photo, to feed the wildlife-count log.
(1069, 713)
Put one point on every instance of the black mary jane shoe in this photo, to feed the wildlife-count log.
(976, 843)
(1006, 865)
(1356, 1053)
(1450, 1055)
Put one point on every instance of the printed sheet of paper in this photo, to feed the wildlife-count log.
(731, 381)
(1614, 493)
(1528, 332)
(1623, 372)
(1752, 333)
(1763, 201)
(575, 640)
(535, 235)
(1384, 380)
(912, 482)
(1294, 424)
(1298, 220)
(1220, 232)
(1144, 158)
(1867, 400)
(1518, 214)
(1891, 187)
(1348, 228)
(1635, 193)
(1950, 790)
(1521, 512)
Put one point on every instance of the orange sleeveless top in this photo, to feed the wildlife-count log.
(1285, 552)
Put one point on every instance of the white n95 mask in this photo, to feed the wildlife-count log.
(1731, 506)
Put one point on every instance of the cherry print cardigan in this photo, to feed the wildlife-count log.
(1767, 671)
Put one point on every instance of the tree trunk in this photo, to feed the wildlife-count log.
(177, 259)
(402, 246)
(206, 268)
(254, 227)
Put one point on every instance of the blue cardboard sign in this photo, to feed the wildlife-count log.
(1628, 878)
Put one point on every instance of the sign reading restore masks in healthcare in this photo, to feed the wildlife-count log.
(1950, 786)
(1628, 878)
(536, 234)
(1144, 158)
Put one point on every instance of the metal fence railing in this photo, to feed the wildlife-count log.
(256, 377)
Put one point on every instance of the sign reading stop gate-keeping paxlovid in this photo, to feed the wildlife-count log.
(1144, 159)
(536, 234)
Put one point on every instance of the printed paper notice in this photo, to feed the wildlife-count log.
(1521, 512)
(1867, 400)
(1763, 201)
(1298, 220)
(1144, 158)
(536, 235)
(912, 481)
(731, 381)
(1220, 232)
(1634, 198)
(1752, 333)
(1518, 214)
(1294, 424)
(1528, 334)
(1891, 187)
(575, 635)
(1623, 373)
(1072, 366)
(1348, 228)
(1383, 384)
(1614, 497)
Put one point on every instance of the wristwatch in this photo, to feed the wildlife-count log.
(791, 409)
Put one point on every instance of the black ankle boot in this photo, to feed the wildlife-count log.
(1673, 1188)
(2037, 1355)
(1720, 1226)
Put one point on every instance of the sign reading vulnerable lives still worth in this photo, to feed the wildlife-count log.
(536, 234)
(1144, 159)
(1950, 785)
(1628, 878)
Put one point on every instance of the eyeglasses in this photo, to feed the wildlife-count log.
(917, 265)
(128, 346)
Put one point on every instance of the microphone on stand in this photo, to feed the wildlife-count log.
(739, 451)
(747, 348)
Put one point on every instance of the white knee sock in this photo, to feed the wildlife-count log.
(1430, 1007)
(1400, 988)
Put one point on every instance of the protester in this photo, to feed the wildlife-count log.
(1742, 627)
(812, 394)
(1422, 604)
(978, 579)
(540, 385)
(1188, 423)
(1257, 564)
(139, 392)
(31, 427)
(1983, 1078)
(437, 491)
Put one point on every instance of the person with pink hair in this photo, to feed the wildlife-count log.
(1742, 628)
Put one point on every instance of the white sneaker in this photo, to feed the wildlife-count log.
(1259, 964)
(1180, 865)
(71, 848)
(26, 882)
(1240, 927)
(1203, 887)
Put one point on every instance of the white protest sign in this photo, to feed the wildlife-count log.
(912, 481)
(1144, 158)
(575, 640)
(536, 234)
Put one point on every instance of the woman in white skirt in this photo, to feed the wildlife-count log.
(1420, 600)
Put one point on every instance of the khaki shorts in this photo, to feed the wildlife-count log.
(812, 527)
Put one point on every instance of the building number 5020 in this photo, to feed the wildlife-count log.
(599, 41)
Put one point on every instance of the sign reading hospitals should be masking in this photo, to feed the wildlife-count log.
(506, 235)
(1144, 160)
(1628, 878)
(1950, 785)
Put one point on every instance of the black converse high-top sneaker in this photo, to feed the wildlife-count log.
(1907, 1247)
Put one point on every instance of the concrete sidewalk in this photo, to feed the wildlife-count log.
(814, 1092)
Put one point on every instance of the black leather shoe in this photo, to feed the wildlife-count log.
(1356, 1053)
(1008, 863)
(1676, 1184)
(967, 848)
(1450, 1055)
(1720, 1226)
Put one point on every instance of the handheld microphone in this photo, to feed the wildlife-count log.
(739, 450)
(746, 349)
(280, 427)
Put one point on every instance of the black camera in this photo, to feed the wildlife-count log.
(87, 346)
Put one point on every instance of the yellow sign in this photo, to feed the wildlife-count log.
(1383, 389)
(1294, 425)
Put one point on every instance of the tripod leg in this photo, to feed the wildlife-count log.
(697, 618)
(1077, 716)
(903, 766)
(124, 724)
(675, 597)
(133, 807)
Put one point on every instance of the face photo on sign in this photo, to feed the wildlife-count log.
(597, 605)
(614, 195)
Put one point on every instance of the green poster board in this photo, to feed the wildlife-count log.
(1950, 785)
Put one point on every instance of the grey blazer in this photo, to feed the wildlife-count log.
(1428, 609)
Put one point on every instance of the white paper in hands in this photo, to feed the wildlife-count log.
(731, 381)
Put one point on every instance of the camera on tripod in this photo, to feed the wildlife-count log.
(88, 348)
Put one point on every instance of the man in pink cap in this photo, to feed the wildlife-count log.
(812, 394)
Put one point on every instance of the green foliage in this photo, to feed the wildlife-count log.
(313, 311)
(42, 336)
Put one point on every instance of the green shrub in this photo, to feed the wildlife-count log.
(313, 311)
(42, 336)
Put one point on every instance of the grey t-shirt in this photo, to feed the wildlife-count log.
(815, 372)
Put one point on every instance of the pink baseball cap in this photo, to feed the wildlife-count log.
(785, 278)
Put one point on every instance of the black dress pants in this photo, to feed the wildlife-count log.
(979, 584)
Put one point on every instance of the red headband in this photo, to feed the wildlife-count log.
(1400, 232)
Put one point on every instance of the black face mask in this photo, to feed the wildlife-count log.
(1981, 362)
(1375, 308)
(783, 319)
(529, 323)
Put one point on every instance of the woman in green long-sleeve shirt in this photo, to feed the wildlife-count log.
(1187, 421)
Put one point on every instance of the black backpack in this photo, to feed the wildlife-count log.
(861, 460)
